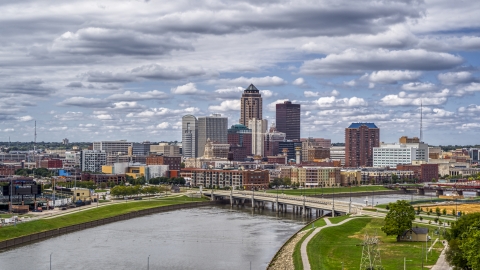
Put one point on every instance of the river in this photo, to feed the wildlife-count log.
(200, 238)
(215, 237)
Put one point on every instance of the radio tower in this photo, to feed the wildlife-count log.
(35, 144)
(370, 253)
(421, 121)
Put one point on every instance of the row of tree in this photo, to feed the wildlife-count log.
(123, 191)
(43, 172)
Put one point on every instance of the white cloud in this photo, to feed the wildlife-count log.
(311, 94)
(414, 99)
(186, 89)
(104, 117)
(327, 102)
(267, 93)
(226, 105)
(25, 118)
(393, 76)
(452, 78)
(299, 81)
(350, 83)
(472, 87)
(418, 86)
(163, 125)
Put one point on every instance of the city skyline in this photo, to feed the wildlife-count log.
(90, 71)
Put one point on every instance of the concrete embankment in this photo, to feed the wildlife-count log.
(27, 239)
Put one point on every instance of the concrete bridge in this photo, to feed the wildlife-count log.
(299, 204)
(438, 188)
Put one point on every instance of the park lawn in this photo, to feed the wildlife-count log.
(339, 219)
(100, 190)
(317, 223)
(334, 245)
(85, 216)
(319, 191)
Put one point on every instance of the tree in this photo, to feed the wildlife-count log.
(453, 212)
(437, 211)
(464, 242)
(399, 218)
(444, 211)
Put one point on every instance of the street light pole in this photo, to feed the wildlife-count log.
(148, 262)
(51, 261)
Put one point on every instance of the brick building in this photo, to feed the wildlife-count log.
(174, 163)
(360, 139)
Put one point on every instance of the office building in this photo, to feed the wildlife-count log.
(338, 153)
(250, 105)
(189, 136)
(165, 149)
(258, 127)
(272, 139)
(288, 119)
(310, 142)
(240, 139)
(390, 155)
(141, 149)
(290, 147)
(212, 127)
(211, 178)
(360, 139)
(113, 147)
(93, 160)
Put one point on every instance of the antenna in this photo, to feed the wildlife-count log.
(421, 121)
(35, 144)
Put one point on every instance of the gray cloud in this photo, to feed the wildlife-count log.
(32, 87)
(354, 61)
(84, 102)
(136, 96)
(109, 42)
(158, 72)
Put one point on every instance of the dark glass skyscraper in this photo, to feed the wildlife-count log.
(288, 119)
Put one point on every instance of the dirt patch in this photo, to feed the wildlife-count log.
(465, 208)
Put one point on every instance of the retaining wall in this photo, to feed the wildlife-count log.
(11, 243)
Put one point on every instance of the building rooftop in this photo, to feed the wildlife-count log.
(357, 125)
(251, 87)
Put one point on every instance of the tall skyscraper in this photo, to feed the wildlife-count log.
(288, 119)
(251, 105)
(212, 127)
(189, 136)
(360, 139)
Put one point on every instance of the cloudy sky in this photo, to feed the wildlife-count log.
(107, 70)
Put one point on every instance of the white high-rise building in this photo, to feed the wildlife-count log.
(113, 147)
(93, 160)
(259, 128)
(392, 154)
(212, 127)
(189, 136)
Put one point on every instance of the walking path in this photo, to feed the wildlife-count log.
(442, 263)
(303, 247)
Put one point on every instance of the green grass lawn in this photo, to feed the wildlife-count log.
(85, 216)
(100, 190)
(334, 245)
(319, 191)
(103, 201)
(297, 257)
(318, 223)
(339, 219)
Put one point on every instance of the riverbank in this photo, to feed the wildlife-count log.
(28, 232)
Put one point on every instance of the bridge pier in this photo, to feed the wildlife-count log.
(439, 192)
(478, 193)
(420, 191)
(460, 192)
